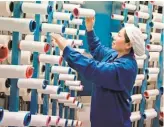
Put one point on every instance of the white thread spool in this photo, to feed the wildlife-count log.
(17, 24)
(4, 85)
(140, 77)
(76, 103)
(155, 37)
(130, 19)
(140, 63)
(32, 83)
(129, 6)
(76, 42)
(150, 99)
(27, 96)
(156, 25)
(70, 123)
(40, 120)
(67, 77)
(36, 8)
(5, 40)
(143, 8)
(44, 58)
(70, 7)
(152, 77)
(76, 22)
(62, 95)
(76, 88)
(142, 27)
(136, 99)
(31, 38)
(16, 119)
(144, 36)
(80, 123)
(63, 122)
(135, 116)
(158, 3)
(55, 28)
(72, 83)
(82, 51)
(83, 12)
(77, 2)
(79, 106)
(54, 120)
(75, 123)
(154, 48)
(153, 56)
(50, 89)
(156, 17)
(16, 71)
(82, 32)
(143, 57)
(62, 16)
(70, 100)
(138, 83)
(60, 69)
(6, 8)
(142, 15)
(149, 114)
(149, 93)
(71, 31)
(117, 17)
(152, 70)
(34, 46)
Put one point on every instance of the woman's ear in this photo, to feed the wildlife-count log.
(128, 45)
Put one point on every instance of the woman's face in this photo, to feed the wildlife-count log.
(119, 43)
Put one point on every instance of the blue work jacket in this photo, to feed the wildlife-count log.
(113, 80)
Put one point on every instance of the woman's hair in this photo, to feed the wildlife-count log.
(127, 40)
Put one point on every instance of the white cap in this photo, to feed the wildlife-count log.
(136, 39)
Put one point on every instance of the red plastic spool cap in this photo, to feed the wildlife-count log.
(4, 51)
(136, 13)
(112, 16)
(29, 72)
(74, 100)
(46, 48)
(76, 12)
(57, 121)
(146, 94)
(76, 123)
(148, 47)
(68, 96)
(60, 60)
(152, 2)
(48, 121)
(123, 5)
(161, 114)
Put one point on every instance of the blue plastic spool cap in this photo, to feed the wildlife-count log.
(49, 9)
(75, 78)
(32, 26)
(45, 83)
(72, 124)
(59, 90)
(69, 71)
(63, 29)
(151, 24)
(1, 113)
(27, 119)
(77, 32)
(161, 90)
(66, 122)
(71, 17)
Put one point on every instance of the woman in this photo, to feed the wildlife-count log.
(112, 71)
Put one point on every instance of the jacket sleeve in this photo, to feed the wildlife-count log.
(100, 73)
(97, 50)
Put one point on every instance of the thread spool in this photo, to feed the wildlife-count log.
(142, 27)
(83, 12)
(129, 6)
(79, 106)
(54, 28)
(31, 38)
(65, 77)
(17, 24)
(6, 8)
(71, 31)
(16, 119)
(27, 96)
(154, 48)
(82, 51)
(54, 120)
(156, 17)
(32, 83)
(62, 16)
(5, 85)
(63, 122)
(150, 99)
(144, 36)
(34, 46)
(140, 77)
(156, 25)
(152, 77)
(5, 40)
(142, 15)
(70, 123)
(77, 2)
(76, 88)
(136, 99)
(50, 90)
(76, 42)
(76, 22)
(70, 7)
(16, 71)
(149, 114)
(40, 120)
(152, 70)
(149, 93)
(117, 17)
(143, 57)
(82, 32)
(143, 8)
(130, 19)
(72, 83)
(140, 63)
(138, 83)
(158, 3)
(62, 95)
(75, 123)
(36, 8)
(80, 123)
(135, 116)
(155, 37)
(60, 70)
(69, 100)
(44, 58)
(153, 56)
